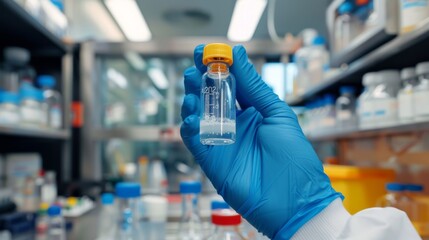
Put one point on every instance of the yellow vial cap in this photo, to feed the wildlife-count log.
(217, 52)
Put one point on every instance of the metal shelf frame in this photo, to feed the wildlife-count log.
(353, 133)
(34, 132)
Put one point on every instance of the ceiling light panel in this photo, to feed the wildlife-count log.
(130, 19)
(245, 19)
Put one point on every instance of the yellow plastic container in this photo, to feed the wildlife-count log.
(361, 187)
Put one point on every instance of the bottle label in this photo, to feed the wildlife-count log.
(405, 105)
(385, 110)
(412, 13)
(55, 117)
(365, 112)
(420, 99)
(344, 115)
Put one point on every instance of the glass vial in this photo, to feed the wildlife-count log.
(227, 224)
(190, 224)
(217, 122)
(128, 195)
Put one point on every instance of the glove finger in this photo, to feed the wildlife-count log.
(190, 132)
(191, 106)
(198, 58)
(253, 91)
(193, 81)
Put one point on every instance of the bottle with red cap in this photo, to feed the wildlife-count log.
(227, 224)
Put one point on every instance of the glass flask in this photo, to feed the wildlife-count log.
(190, 224)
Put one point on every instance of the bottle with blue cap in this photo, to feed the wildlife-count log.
(9, 110)
(301, 59)
(108, 216)
(345, 108)
(53, 100)
(395, 197)
(417, 207)
(31, 108)
(128, 195)
(346, 26)
(190, 224)
(318, 60)
(56, 224)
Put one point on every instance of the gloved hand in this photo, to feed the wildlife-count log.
(271, 175)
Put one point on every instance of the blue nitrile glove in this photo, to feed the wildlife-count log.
(271, 175)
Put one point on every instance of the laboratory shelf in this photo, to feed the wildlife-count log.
(140, 133)
(403, 51)
(19, 28)
(34, 132)
(351, 133)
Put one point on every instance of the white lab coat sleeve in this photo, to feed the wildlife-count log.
(335, 223)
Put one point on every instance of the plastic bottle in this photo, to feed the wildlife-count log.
(393, 196)
(53, 100)
(158, 181)
(155, 212)
(9, 110)
(227, 224)
(49, 188)
(385, 100)
(128, 195)
(31, 107)
(412, 13)
(56, 228)
(346, 107)
(416, 209)
(372, 20)
(405, 95)
(421, 92)
(190, 223)
(365, 106)
(301, 58)
(345, 26)
(217, 124)
(318, 61)
(108, 216)
(328, 117)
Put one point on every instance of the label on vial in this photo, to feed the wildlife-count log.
(55, 117)
(405, 105)
(7, 117)
(385, 110)
(344, 115)
(413, 12)
(31, 115)
(365, 112)
(421, 98)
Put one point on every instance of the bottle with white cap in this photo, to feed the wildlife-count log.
(227, 224)
(385, 98)
(346, 107)
(405, 95)
(190, 224)
(421, 92)
(128, 195)
(365, 108)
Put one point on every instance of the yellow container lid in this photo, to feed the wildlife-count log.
(217, 52)
(356, 173)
